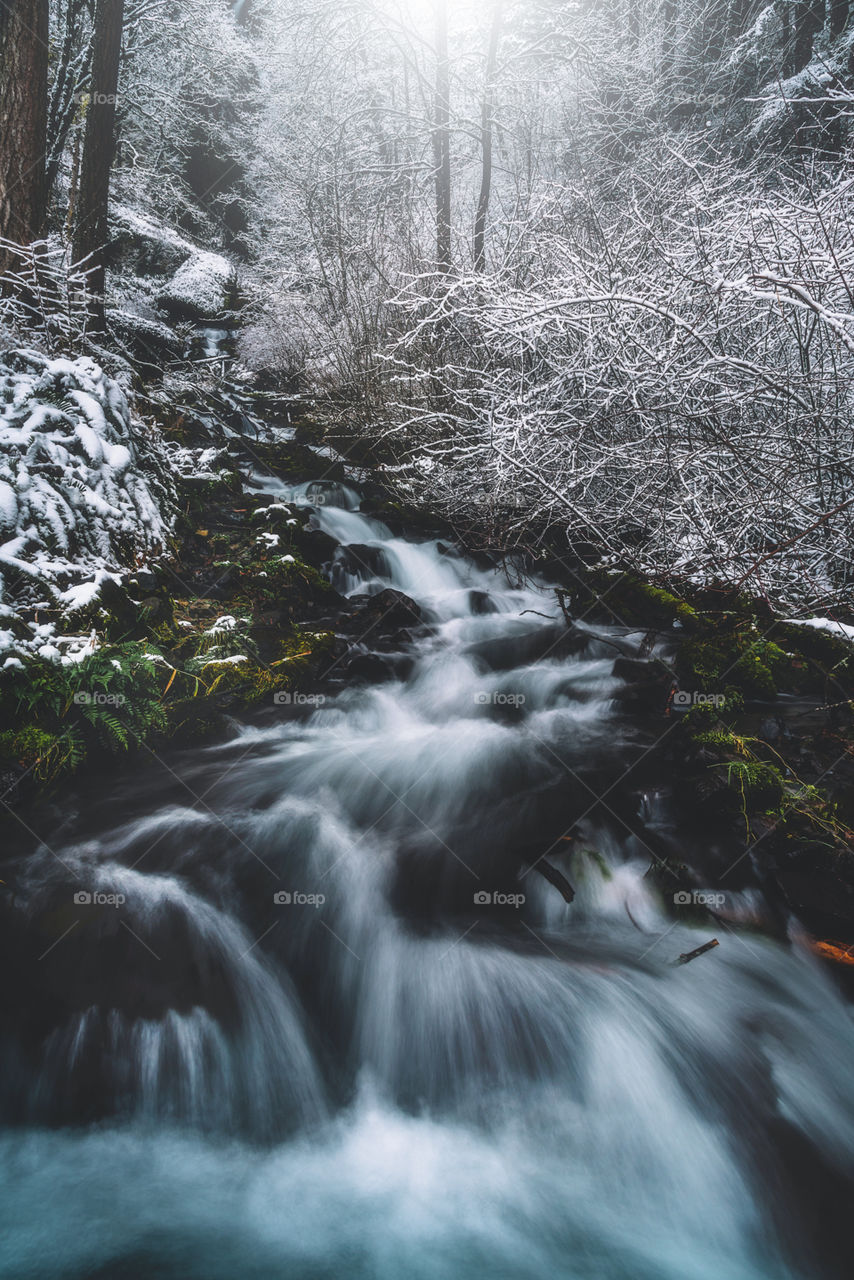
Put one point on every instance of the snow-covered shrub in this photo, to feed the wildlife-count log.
(43, 293)
(83, 489)
(280, 333)
(677, 387)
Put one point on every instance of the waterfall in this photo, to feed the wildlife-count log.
(321, 1017)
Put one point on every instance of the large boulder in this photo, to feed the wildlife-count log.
(390, 609)
(202, 288)
(147, 338)
(142, 246)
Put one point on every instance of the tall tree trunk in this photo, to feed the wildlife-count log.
(669, 33)
(808, 21)
(837, 16)
(23, 120)
(72, 58)
(442, 140)
(486, 111)
(99, 142)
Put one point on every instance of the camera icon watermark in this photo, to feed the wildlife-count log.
(482, 898)
(309, 497)
(98, 699)
(699, 898)
(699, 100)
(83, 898)
(296, 898)
(285, 698)
(484, 699)
(85, 98)
(509, 499)
(685, 698)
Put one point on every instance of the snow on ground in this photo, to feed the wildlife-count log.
(83, 492)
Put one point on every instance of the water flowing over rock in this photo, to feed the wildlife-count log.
(331, 1021)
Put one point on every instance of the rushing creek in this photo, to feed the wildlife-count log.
(337, 1028)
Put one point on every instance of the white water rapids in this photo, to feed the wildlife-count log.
(386, 1076)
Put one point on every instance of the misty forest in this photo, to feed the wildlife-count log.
(427, 639)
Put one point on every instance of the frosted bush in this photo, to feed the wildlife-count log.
(83, 489)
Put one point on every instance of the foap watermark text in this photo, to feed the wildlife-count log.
(484, 898)
(296, 898)
(685, 698)
(699, 898)
(485, 699)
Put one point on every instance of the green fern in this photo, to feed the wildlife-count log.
(52, 716)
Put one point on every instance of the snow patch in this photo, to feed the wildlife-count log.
(843, 629)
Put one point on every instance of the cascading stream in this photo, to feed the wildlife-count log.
(336, 1027)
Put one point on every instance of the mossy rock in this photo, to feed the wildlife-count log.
(638, 603)
(814, 642)
(305, 648)
(200, 494)
(284, 581)
(817, 656)
(759, 785)
(726, 659)
(39, 751)
(249, 681)
(296, 462)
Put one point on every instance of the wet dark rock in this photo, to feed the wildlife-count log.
(507, 652)
(635, 670)
(101, 963)
(481, 602)
(378, 668)
(819, 888)
(317, 548)
(228, 581)
(648, 684)
(391, 609)
(156, 610)
(361, 561)
(146, 581)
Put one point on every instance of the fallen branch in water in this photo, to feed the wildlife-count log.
(556, 878)
(688, 956)
(633, 920)
(836, 951)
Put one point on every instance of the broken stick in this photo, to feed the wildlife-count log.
(688, 956)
